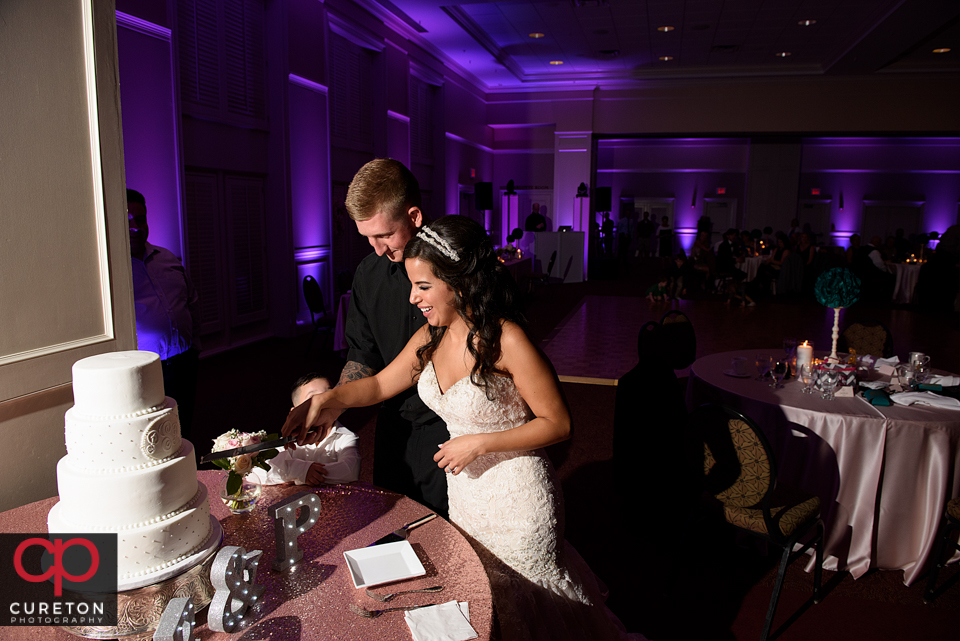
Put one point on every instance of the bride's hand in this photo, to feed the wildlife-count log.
(459, 452)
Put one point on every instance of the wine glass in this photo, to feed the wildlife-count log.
(779, 371)
(807, 378)
(763, 366)
(828, 379)
(789, 347)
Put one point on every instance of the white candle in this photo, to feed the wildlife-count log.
(804, 354)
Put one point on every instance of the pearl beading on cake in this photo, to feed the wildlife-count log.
(165, 564)
(128, 468)
(120, 417)
(192, 503)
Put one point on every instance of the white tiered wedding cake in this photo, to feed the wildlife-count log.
(128, 471)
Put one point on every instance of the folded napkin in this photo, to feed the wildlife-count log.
(925, 398)
(877, 397)
(873, 384)
(445, 622)
(893, 361)
(943, 381)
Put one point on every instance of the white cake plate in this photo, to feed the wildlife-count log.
(140, 603)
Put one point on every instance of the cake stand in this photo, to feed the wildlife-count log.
(140, 605)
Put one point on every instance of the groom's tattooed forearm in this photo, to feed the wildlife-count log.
(354, 371)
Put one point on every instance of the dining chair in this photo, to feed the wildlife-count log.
(740, 471)
(544, 277)
(866, 337)
(951, 522)
(322, 322)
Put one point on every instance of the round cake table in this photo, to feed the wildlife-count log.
(312, 602)
(883, 474)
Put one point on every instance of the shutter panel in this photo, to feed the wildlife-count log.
(243, 35)
(199, 52)
(245, 216)
(202, 218)
(351, 97)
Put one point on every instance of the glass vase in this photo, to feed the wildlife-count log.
(245, 498)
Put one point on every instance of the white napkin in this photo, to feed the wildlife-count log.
(873, 384)
(892, 361)
(925, 398)
(946, 380)
(445, 622)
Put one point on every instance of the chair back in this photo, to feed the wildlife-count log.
(867, 337)
(553, 259)
(649, 344)
(679, 339)
(314, 297)
(739, 467)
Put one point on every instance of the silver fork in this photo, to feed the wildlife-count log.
(387, 597)
(373, 614)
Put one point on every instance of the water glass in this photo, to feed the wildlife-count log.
(779, 372)
(828, 379)
(807, 378)
(763, 366)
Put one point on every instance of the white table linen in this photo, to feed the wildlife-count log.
(906, 276)
(883, 474)
(750, 265)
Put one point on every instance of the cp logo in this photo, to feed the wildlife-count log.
(56, 548)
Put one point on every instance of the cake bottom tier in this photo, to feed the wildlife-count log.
(151, 548)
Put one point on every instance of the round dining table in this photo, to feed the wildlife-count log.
(883, 473)
(313, 601)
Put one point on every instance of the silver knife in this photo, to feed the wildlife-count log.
(247, 449)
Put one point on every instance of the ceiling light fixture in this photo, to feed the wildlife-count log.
(665, 58)
(664, 29)
(782, 54)
(807, 23)
(942, 50)
(536, 35)
(556, 62)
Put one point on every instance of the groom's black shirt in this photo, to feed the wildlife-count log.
(379, 324)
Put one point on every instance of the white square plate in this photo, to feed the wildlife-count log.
(383, 563)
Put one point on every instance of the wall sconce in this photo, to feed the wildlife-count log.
(511, 190)
(582, 190)
(693, 201)
(841, 201)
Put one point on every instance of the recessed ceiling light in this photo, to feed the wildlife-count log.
(942, 50)
(664, 29)
(782, 54)
(807, 23)
(536, 35)
(556, 62)
(665, 58)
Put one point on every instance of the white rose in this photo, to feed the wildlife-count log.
(243, 464)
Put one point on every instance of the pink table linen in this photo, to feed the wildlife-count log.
(883, 474)
(313, 602)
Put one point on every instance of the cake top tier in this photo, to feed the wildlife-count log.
(117, 383)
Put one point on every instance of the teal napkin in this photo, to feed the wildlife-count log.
(877, 397)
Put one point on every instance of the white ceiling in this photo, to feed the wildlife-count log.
(617, 42)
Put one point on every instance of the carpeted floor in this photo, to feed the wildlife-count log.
(669, 580)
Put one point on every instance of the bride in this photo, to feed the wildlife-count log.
(476, 368)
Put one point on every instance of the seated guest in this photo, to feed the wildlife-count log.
(335, 459)
(868, 264)
(853, 248)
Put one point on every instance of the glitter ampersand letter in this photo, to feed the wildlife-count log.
(177, 621)
(289, 526)
(233, 575)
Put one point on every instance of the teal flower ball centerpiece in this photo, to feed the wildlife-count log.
(837, 288)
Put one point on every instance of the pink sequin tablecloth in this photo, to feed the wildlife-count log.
(883, 474)
(312, 601)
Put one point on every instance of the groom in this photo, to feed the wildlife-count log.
(384, 200)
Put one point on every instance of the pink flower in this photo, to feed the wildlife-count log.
(233, 443)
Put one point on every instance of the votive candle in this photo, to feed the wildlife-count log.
(804, 354)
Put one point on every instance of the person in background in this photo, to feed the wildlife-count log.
(665, 235)
(645, 229)
(168, 312)
(334, 459)
(535, 220)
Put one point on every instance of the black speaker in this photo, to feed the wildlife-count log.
(483, 196)
(603, 199)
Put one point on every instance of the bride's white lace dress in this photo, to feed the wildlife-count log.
(511, 506)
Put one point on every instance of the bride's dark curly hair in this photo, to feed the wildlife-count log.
(485, 293)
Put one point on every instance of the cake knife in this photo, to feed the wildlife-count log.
(248, 449)
(401, 534)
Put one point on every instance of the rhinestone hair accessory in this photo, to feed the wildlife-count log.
(432, 238)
